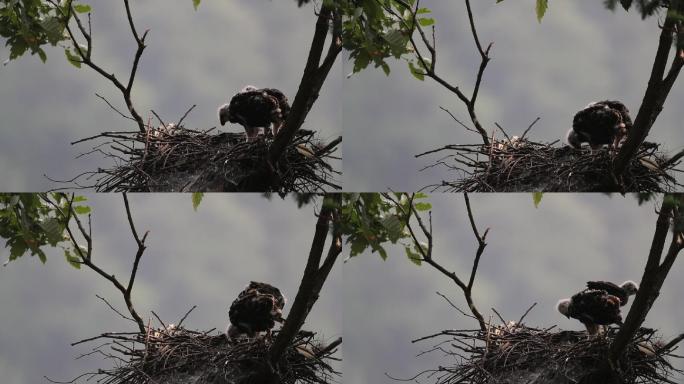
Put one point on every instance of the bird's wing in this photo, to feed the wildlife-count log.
(610, 288)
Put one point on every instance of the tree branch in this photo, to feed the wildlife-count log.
(312, 80)
(671, 343)
(654, 272)
(86, 256)
(427, 253)
(86, 56)
(429, 63)
(314, 276)
(657, 90)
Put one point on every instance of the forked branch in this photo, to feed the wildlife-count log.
(85, 54)
(315, 73)
(315, 273)
(426, 251)
(659, 84)
(428, 62)
(670, 218)
(85, 253)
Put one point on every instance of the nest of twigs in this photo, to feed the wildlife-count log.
(522, 165)
(173, 158)
(175, 355)
(515, 353)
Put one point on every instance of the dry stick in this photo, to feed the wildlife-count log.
(429, 67)
(671, 343)
(86, 256)
(315, 73)
(85, 56)
(659, 86)
(654, 275)
(314, 276)
(427, 254)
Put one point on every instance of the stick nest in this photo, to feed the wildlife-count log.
(515, 353)
(171, 158)
(521, 165)
(175, 355)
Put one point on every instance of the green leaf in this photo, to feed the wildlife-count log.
(17, 249)
(418, 74)
(383, 253)
(73, 58)
(423, 206)
(542, 6)
(413, 256)
(358, 246)
(385, 68)
(74, 261)
(82, 209)
(196, 199)
(537, 198)
(82, 8)
(42, 55)
(41, 256)
(426, 22)
(196, 3)
(53, 230)
(394, 227)
(626, 4)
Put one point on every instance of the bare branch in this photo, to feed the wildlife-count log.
(86, 57)
(671, 343)
(429, 63)
(428, 257)
(86, 255)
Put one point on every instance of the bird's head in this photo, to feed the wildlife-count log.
(224, 113)
(248, 88)
(563, 307)
(630, 287)
(573, 139)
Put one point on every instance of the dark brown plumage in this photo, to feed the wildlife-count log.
(622, 291)
(593, 308)
(601, 123)
(256, 309)
(255, 108)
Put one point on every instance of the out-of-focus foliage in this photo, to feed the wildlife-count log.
(31, 221)
(372, 220)
(644, 7)
(29, 25)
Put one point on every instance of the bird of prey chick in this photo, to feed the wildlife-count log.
(600, 123)
(256, 309)
(255, 108)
